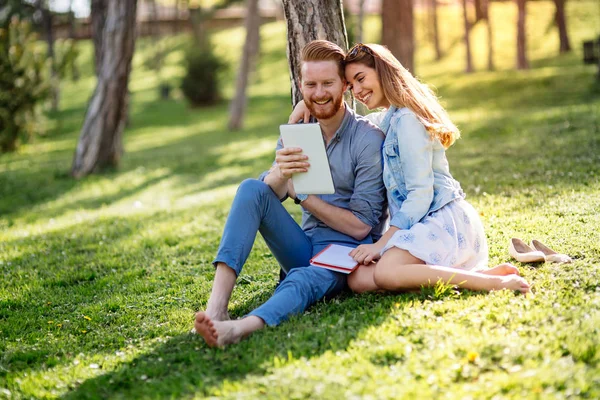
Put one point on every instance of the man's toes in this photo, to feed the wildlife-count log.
(205, 328)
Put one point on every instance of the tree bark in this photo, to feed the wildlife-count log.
(479, 10)
(522, 62)
(435, 29)
(238, 105)
(309, 20)
(98, 12)
(469, 61)
(398, 30)
(561, 24)
(361, 21)
(490, 37)
(47, 22)
(100, 142)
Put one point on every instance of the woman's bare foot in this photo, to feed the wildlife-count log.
(513, 282)
(216, 333)
(501, 270)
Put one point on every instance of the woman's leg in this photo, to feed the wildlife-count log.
(361, 280)
(395, 271)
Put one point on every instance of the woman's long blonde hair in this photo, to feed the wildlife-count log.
(402, 89)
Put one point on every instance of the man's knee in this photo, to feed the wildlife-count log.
(253, 189)
(310, 284)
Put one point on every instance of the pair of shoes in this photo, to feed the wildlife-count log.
(550, 254)
(537, 252)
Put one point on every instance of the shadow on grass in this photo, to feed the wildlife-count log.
(184, 365)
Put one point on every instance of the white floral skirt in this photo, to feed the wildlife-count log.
(453, 236)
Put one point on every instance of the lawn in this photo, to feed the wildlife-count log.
(101, 277)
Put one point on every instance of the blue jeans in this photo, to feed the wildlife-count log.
(256, 208)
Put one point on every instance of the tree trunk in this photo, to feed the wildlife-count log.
(561, 24)
(521, 40)
(435, 29)
(490, 37)
(309, 20)
(47, 22)
(99, 9)
(74, 69)
(361, 21)
(469, 67)
(100, 142)
(479, 10)
(238, 105)
(398, 30)
(153, 18)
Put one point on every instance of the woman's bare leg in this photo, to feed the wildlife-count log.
(361, 280)
(392, 272)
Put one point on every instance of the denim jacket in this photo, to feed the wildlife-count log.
(416, 172)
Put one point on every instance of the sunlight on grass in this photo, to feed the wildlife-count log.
(101, 277)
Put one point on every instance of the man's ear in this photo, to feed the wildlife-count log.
(344, 85)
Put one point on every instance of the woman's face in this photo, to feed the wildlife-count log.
(365, 85)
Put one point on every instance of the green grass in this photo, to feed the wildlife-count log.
(101, 277)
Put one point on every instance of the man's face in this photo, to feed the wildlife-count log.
(322, 88)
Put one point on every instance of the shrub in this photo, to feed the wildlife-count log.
(201, 83)
(22, 84)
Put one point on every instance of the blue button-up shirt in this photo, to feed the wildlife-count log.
(355, 160)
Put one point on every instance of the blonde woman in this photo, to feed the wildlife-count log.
(434, 233)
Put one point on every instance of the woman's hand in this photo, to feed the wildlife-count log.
(300, 113)
(367, 253)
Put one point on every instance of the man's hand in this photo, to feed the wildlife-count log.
(366, 253)
(290, 161)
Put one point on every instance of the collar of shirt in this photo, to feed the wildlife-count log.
(343, 126)
(385, 124)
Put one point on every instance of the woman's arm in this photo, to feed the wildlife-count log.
(415, 148)
(367, 253)
(299, 114)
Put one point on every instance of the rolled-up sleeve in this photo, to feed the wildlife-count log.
(368, 200)
(262, 176)
(415, 148)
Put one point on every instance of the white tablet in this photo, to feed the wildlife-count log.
(308, 137)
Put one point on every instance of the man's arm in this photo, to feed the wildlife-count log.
(368, 199)
(340, 219)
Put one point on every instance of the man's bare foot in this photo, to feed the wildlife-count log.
(501, 270)
(216, 333)
(513, 282)
(218, 315)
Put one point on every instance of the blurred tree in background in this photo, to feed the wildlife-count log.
(100, 143)
(398, 30)
(249, 54)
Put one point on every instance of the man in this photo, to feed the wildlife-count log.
(346, 217)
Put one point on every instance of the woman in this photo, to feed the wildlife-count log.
(434, 233)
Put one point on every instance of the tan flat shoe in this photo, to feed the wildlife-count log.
(519, 250)
(550, 254)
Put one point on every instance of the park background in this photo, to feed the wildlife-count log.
(101, 276)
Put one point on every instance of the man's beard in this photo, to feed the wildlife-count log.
(320, 112)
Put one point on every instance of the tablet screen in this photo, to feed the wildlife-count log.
(308, 137)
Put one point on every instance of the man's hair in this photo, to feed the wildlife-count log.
(323, 50)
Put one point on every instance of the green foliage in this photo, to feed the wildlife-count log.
(201, 82)
(22, 84)
(66, 56)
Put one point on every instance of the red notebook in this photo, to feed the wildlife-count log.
(335, 257)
